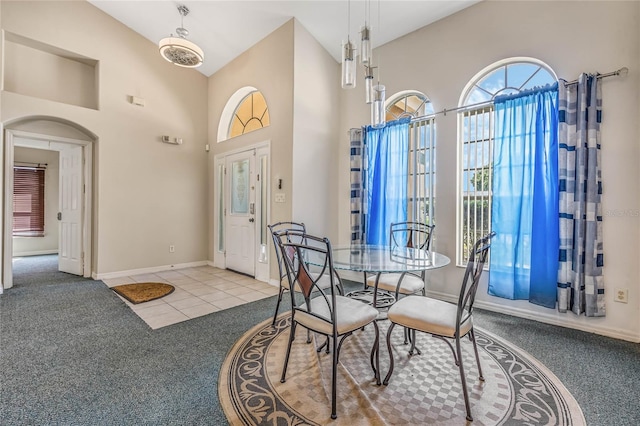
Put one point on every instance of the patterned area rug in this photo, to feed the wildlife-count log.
(143, 292)
(424, 389)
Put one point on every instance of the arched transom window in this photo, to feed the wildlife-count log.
(251, 114)
(408, 104)
(475, 135)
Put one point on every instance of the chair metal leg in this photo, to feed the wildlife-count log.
(275, 314)
(334, 377)
(388, 376)
(292, 333)
(472, 337)
(463, 380)
(375, 355)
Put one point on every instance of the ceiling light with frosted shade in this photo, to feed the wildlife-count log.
(178, 50)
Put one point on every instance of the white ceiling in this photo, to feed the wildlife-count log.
(224, 29)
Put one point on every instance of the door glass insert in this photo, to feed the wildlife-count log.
(220, 207)
(240, 187)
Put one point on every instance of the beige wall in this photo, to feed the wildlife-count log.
(316, 147)
(148, 194)
(571, 37)
(49, 243)
(267, 66)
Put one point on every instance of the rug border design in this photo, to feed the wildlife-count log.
(248, 403)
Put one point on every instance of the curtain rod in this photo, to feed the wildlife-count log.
(622, 71)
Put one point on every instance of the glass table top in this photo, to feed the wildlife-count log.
(372, 258)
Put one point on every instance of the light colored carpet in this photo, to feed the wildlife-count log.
(424, 389)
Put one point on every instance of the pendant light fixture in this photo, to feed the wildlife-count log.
(378, 110)
(368, 83)
(365, 37)
(178, 50)
(348, 53)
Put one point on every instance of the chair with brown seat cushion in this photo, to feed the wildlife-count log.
(444, 320)
(328, 312)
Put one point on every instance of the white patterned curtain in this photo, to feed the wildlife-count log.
(358, 185)
(580, 280)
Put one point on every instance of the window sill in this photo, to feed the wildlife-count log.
(28, 234)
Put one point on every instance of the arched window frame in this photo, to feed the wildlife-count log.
(231, 107)
(404, 95)
(475, 127)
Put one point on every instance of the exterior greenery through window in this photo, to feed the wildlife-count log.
(421, 158)
(28, 202)
(251, 114)
(475, 135)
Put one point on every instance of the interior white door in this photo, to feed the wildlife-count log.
(70, 216)
(240, 219)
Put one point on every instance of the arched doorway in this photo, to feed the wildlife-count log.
(74, 146)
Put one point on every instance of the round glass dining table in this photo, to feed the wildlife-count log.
(383, 259)
(375, 258)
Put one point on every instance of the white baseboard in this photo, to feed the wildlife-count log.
(542, 317)
(118, 274)
(35, 253)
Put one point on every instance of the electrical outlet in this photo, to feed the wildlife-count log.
(279, 197)
(172, 248)
(621, 295)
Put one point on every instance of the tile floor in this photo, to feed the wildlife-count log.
(198, 291)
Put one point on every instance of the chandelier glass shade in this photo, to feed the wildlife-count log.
(365, 45)
(348, 66)
(377, 107)
(368, 84)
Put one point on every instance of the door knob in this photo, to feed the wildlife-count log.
(252, 220)
(59, 215)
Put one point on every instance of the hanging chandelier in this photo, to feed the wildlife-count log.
(178, 50)
(348, 53)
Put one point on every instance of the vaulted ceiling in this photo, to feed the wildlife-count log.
(224, 29)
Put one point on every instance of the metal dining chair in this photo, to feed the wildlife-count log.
(281, 228)
(328, 313)
(282, 270)
(445, 320)
(404, 234)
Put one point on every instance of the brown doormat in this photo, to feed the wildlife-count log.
(143, 292)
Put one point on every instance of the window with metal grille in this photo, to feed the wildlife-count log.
(421, 158)
(28, 201)
(422, 171)
(475, 136)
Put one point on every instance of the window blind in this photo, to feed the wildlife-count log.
(28, 201)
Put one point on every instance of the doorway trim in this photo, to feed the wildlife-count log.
(262, 265)
(10, 135)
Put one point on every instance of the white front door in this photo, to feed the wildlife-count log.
(70, 216)
(240, 219)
